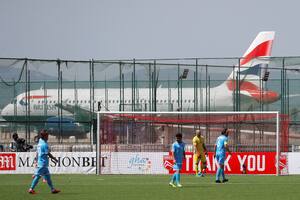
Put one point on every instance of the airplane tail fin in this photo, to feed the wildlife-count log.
(250, 68)
(252, 61)
(260, 47)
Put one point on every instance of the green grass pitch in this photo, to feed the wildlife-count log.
(150, 187)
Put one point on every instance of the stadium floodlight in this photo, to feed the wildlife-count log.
(184, 74)
(262, 127)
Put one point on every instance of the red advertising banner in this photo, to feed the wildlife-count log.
(7, 161)
(236, 163)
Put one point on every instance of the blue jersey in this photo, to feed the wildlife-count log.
(178, 149)
(220, 143)
(43, 150)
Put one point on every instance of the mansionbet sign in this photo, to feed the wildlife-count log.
(68, 162)
(252, 162)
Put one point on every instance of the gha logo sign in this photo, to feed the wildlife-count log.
(139, 162)
(7, 161)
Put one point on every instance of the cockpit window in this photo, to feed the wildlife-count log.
(14, 101)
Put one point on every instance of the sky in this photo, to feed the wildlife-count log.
(127, 29)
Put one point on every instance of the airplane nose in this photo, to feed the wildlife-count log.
(6, 111)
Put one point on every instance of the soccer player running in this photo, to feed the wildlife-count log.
(43, 155)
(221, 147)
(178, 155)
(199, 153)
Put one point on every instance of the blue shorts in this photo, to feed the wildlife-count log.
(177, 166)
(220, 159)
(42, 171)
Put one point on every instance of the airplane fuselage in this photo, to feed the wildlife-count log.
(44, 102)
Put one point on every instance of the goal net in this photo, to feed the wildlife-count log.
(140, 142)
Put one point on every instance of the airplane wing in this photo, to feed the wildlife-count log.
(80, 113)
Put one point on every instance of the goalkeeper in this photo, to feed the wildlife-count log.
(200, 153)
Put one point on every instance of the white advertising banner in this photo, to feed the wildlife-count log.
(68, 163)
(294, 163)
(85, 163)
(138, 163)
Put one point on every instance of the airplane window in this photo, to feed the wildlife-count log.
(81, 101)
(193, 101)
(50, 101)
(113, 101)
(117, 101)
(129, 101)
(173, 101)
(39, 102)
(189, 101)
(85, 101)
(165, 101)
(70, 102)
(73, 101)
(54, 101)
(109, 101)
(125, 101)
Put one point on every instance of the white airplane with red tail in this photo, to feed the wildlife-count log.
(76, 103)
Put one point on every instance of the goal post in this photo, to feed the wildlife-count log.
(121, 132)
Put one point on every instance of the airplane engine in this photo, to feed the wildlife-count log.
(66, 127)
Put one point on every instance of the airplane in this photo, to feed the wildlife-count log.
(75, 106)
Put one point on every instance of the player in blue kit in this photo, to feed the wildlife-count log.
(221, 147)
(43, 155)
(178, 155)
